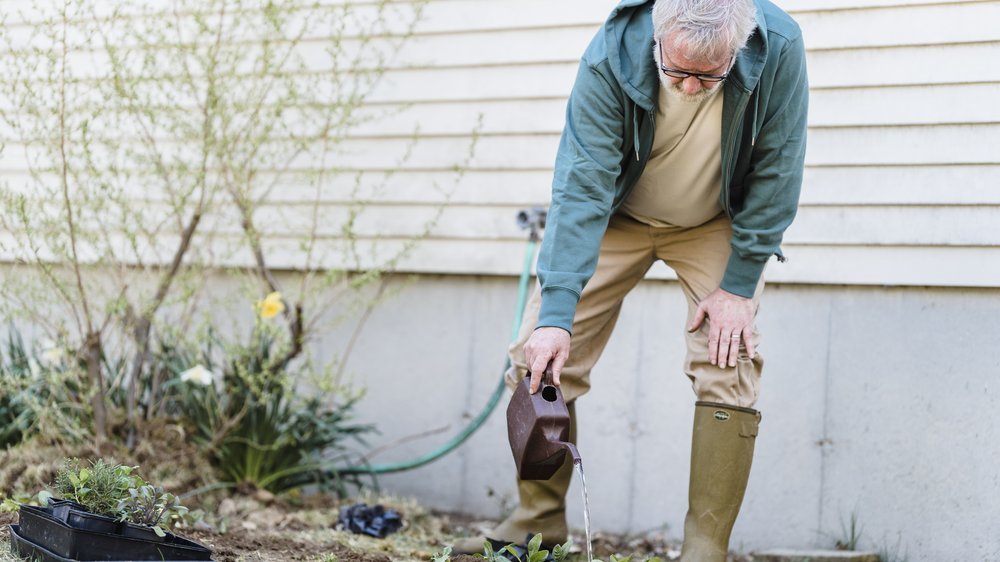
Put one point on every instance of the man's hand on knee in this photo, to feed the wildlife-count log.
(730, 320)
(546, 345)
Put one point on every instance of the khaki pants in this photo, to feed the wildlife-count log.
(699, 256)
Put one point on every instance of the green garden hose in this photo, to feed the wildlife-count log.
(477, 422)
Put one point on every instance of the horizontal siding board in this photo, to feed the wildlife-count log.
(896, 66)
(517, 46)
(948, 104)
(897, 226)
(473, 15)
(861, 265)
(443, 84)
(880, 27)
(943, 104)
(927, 105)
(948, 267)
(472, 187)
(871, 225)
(951, 144)
(932, 105)
(497, 48)
(876, 226)
(878, 265)
(822, 186)
(796, 7)
(529, 115)
(902, 185)
(840, 69)
(495, 152)
(437, 16)
(945, 144)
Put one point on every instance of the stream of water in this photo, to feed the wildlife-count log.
(586, 511)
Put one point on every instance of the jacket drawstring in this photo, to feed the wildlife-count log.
(635, 130)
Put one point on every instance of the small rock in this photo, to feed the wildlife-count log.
(227, 507)
(249, 525)
(268, 517)
(263, 496)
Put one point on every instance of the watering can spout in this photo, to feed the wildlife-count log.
(573, 453)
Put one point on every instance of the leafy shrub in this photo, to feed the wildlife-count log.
(15, 413)
(41, 393)
(257, 428)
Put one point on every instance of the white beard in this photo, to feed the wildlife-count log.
(674, 90)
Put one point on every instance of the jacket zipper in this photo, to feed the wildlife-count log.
(741, 111)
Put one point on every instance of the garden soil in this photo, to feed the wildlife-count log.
(306, 531)
(259, 527)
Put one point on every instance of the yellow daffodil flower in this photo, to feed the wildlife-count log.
(271, 306)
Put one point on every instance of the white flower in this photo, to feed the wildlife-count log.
(51, 353)
(34, 368)
(198, 374)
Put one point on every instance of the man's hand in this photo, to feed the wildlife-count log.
(546, 345)
(729, 320)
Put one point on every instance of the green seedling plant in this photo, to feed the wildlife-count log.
(114, 490)
(149, 505)
(561, 551)
(850, 533)
(13, 504)
(495, 556)
(535, 553)
(99, 487)
(443, 556)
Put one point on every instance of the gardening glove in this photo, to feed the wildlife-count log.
(375, 521)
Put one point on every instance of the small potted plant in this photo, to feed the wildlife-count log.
(103, 512)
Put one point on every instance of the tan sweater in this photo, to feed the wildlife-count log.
(680, 184)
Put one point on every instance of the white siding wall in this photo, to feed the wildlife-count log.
(902, 184)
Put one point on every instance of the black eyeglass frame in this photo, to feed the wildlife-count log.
(683, 75)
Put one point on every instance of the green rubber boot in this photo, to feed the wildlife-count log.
(541, 509)
(721, 453)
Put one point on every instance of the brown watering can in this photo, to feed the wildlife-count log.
(538, 429)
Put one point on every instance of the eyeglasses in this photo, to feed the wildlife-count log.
(682, 75)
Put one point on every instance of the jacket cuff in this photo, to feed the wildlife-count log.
(742, 275)
(558, 308)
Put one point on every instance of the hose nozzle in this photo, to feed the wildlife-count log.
(533, 220)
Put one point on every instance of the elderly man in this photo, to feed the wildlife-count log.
(684, 142)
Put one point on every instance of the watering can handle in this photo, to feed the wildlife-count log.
(547, 377)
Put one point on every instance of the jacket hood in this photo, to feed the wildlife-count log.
(628, 37)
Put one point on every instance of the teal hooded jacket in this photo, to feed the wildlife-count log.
(608, 137)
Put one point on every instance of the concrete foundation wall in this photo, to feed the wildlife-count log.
(877, 403)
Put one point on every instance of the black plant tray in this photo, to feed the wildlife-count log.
(77, 516)
(41, 528)
(23, 548)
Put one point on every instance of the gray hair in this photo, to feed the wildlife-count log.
(709, 29)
